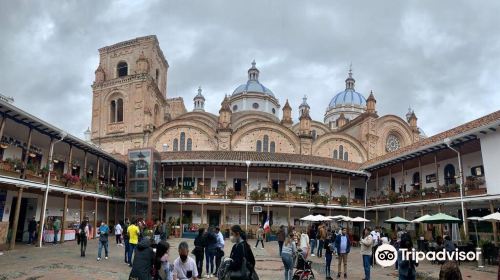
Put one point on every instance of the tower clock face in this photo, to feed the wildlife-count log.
(392, 143)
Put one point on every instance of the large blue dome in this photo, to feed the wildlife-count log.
(253, 86)
(348, 97)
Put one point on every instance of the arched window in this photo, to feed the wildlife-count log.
(183, 141)
(393, 184)
(449, 174)
(335, 154)
(266, 144)
(259, 146)
(346, 156)
(119, 110)
(176, 145)
(341, 152)
(122, 69)
(189, 145)
(272, 147)
(112, 111)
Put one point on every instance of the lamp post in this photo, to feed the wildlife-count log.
(368, 174)
(447, 141)
(51, 152)
(246, 197)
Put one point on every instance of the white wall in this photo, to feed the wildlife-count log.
(490, 150)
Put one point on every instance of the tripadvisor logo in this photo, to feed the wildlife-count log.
(386, 255)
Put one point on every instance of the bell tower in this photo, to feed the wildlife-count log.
(129, 94)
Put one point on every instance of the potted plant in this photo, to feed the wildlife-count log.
(393, 197)
(69, 179)
(231, 193)
(255, 195)
(111, 190)
(343, 200)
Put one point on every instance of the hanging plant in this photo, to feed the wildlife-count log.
(343, 200)
(69, 179)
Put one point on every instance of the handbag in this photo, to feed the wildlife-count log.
(244, 272)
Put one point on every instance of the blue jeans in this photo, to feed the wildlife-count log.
(288, 263)
(312, 243)
(105, 245)
(130, 252)
(210, 260)
(328, 264)
(320, 248)
(56, 233)
(367, 260)
(127, 249)
(31, 237)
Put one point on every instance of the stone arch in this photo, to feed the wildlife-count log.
(244, 118)
(391, 124)
(204, 117)
(326, 145)
(203, 137)
(246, 137)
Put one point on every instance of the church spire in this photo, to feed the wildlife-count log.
(349, 82)
(253, 72)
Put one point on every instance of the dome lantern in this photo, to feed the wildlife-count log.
(199, 101)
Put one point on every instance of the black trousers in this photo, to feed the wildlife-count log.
(83, 245)
(218, 258)
(261, 241)
(199, 263)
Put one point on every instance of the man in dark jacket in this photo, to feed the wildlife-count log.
(32, 230)
(143, 261)
(281, 237)
(343, 245)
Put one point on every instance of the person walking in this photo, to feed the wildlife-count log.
(157, 232)
(329, 245)
(199, 250)
(184, 265)
(133, 234)
(366, 251)
(126, 241)
(304, 244)
(144, 258)
(57, 227)
(343, 245)
(376, 242)
(322, 236)
(287, 253)
(210, 251)
(407, 267)
(260, 237)
(83, 236)
(31, 230)
(118, 234)
(450, 271)
(103, 241)
(312, 238)
(281, 238)
(241, 250)
(220, 248)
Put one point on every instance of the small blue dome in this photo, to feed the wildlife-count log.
(253, 86)
(348, 97)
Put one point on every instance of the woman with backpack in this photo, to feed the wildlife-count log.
(243, 260)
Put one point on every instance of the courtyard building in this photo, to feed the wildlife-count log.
(149, 156)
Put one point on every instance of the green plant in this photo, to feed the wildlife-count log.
(343, 200)
(44, 171)
(231, 193)
(111, 190)
(255, 195)
(31, 167)
(393, 197)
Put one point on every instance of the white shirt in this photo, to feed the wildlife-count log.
(375, 236)
(304, 240)
(220, 240)
(181, 269)
(118, 229)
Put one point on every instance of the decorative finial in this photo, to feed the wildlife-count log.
(350, 70)
(199, 90)
(253, 63)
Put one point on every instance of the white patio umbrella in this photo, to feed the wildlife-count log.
(419, 220)
(495, 217)
(321, 218)
(339, 217)
(309, 218)
(475, 220)
(359, 219)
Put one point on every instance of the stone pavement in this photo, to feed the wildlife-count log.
(64, 262)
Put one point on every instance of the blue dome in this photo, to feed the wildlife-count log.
(253, 86)
(348, 97)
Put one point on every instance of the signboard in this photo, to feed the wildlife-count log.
(257, 209)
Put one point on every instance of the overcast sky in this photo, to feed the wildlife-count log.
(442, 58)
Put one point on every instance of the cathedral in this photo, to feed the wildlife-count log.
(136, 112)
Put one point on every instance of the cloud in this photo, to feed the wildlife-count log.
(442, 58)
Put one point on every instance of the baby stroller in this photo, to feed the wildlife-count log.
(303, 269)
